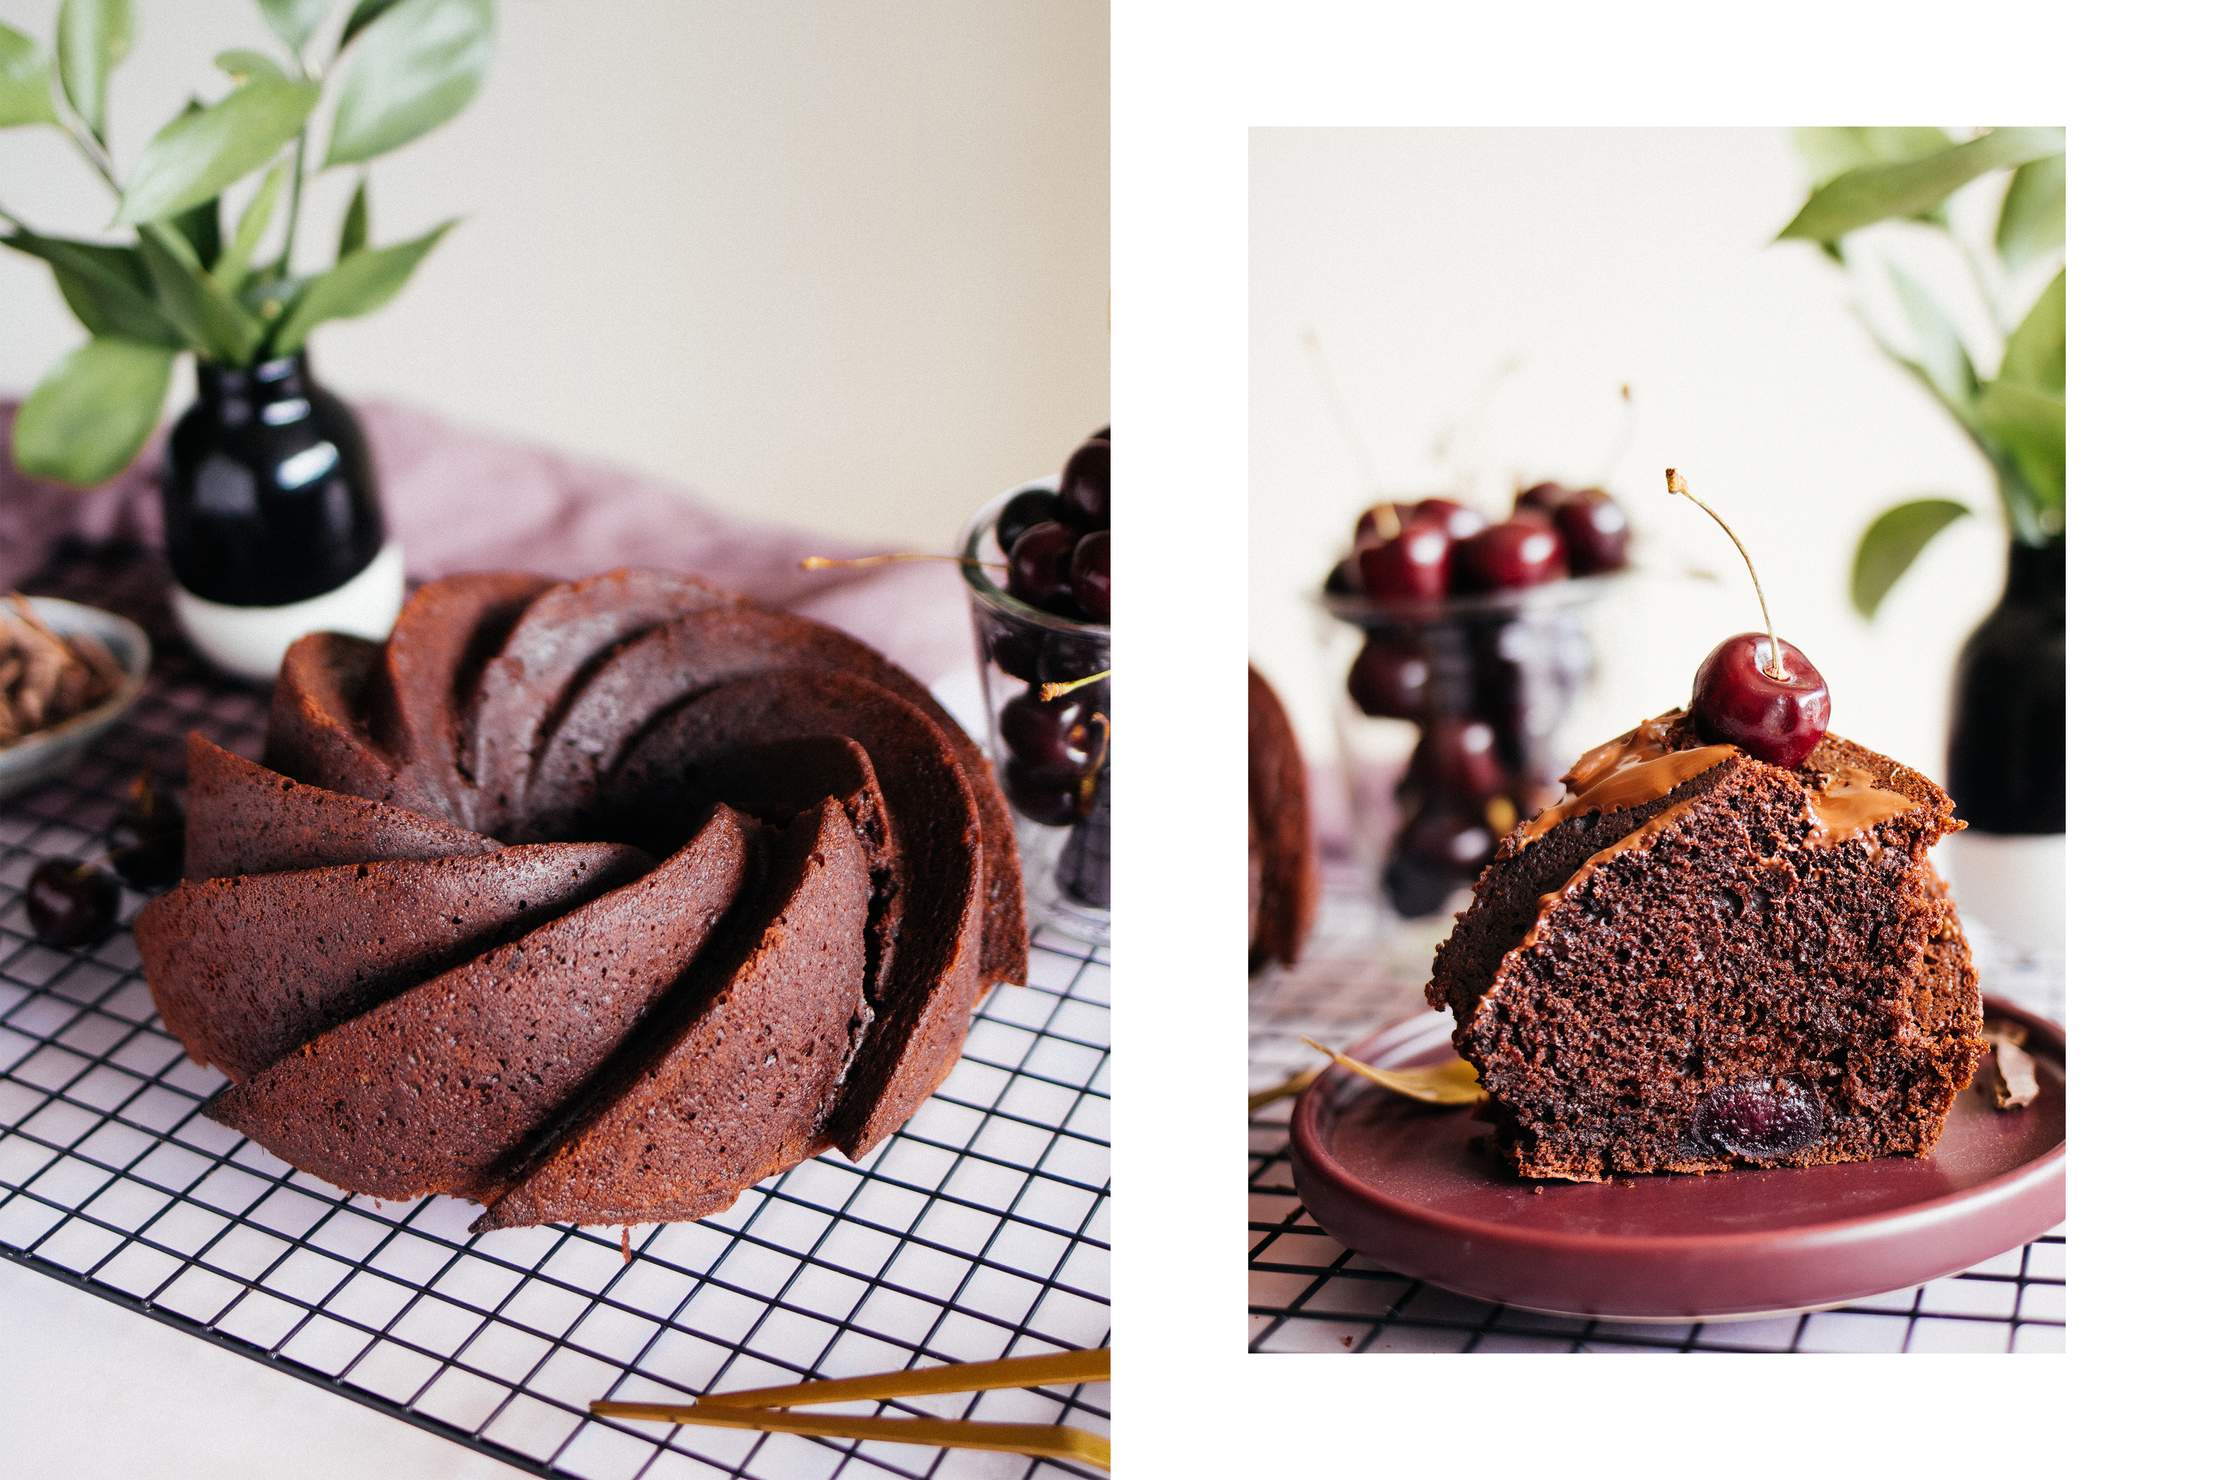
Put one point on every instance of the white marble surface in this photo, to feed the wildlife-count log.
(90, 1390)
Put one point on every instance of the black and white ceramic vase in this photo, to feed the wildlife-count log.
(2007, 757)
(271, 518)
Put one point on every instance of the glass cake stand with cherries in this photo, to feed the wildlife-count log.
(1037, 564)
(1468, 645)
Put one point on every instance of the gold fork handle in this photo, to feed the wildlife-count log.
(1044, 1441)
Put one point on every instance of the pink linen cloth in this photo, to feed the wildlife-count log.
(460, 499)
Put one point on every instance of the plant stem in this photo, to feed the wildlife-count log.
(293, 206)
(1983, 288)
(96, 158)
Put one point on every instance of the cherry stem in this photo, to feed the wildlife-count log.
(1386, 523)
(1054, 691)
(1628, 420)
(1340, 409)
(1675, 483)
(830, 562)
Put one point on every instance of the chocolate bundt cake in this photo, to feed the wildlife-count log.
(1700, 960)
(593, 901)
(1283, 857)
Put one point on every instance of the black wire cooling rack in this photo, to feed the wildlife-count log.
(980, 1230)
(1309, 1293)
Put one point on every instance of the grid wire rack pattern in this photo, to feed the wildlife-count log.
(980, 1230)
(1307, 1292)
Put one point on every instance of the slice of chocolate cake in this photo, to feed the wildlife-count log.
(1699, 960)
(730, 1087)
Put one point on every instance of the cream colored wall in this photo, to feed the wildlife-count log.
(1426, 258)
(842, 265)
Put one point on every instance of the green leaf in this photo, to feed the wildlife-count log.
(362, 15)
(197, 154)
(354, 232)
(294, 20)
(1892, 542)
(358, 283)
(212, 322)
(1937, 347)
(91, 37)
(25, 94)
(1828, 152)
(106, 287)
(242, 64)
(2032, 223)
(2036, 353)
(1912, 187)
(230, 268)
(2029, 424)
(92, 413)
(418, 64)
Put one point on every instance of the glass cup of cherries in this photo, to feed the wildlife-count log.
(1037, 563)
(1466, 645)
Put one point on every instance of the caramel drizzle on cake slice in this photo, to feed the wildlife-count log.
(1633, 784)
(1849, 804)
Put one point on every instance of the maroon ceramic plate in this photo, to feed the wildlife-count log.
(1422, 1191)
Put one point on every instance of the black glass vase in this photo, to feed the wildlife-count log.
(271, 518)
(2007, 757)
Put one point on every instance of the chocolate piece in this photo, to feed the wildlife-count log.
(2013, 1085)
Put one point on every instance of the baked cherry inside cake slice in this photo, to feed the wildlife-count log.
(1701, 959)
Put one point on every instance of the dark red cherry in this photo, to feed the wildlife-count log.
(1090, 575)
(1388, 679)
(1594, 530)
(1016, 651)
(1343, 579)
(1522, 551)
(146, 843)
(1737, 702)
(1104, 434)
(1085, 491)
(1413, 566)
(1040, 567)
(70, 903)
(1542, 499)
(1760, 1118)
(1053, 737)
(1439, 852)
(1456, 758)
(1048, 798)
(1450, 517)
(1021, 513)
